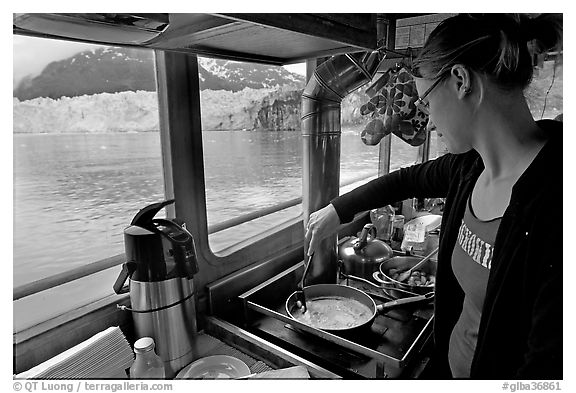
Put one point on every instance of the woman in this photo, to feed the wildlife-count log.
(498, 307)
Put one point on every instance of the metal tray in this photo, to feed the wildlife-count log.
(268, 299)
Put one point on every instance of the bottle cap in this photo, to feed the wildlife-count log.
(144, 344)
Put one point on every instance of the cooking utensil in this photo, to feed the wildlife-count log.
(353, 319)
(404, 275)
(300, 295)
(403, 263)
(379, 286)
(361, 256)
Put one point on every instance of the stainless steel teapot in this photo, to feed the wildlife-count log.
(362, 256)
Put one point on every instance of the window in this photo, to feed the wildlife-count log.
(87, 157)
(252, 146)
(437, 146)
(402, 154)
(544, 95)
(358, 162)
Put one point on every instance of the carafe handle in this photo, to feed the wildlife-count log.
(127, 269)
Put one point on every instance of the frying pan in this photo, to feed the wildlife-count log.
(337, 292)
(404, 263)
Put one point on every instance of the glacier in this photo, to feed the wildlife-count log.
(131, 111)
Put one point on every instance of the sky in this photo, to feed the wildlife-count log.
(31, 55)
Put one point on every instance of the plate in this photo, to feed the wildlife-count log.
(215, 367)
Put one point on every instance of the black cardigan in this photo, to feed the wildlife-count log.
(520, 333)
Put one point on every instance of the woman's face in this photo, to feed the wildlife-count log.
(446, 113)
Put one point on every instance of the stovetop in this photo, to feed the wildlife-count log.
(394, 346)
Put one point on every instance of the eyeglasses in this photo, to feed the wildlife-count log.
(420, 100)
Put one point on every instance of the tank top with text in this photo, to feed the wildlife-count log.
(471, 262)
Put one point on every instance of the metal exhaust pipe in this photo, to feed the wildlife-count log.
(321, 130)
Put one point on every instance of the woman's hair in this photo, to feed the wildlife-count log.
(496, 45)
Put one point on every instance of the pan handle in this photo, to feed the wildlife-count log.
(407, 300)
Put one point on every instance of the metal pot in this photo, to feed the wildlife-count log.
(336, 291)
(362, 256)
(404, 263)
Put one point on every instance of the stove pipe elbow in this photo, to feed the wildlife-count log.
(332, 81)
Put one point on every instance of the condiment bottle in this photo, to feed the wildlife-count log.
(147, 364)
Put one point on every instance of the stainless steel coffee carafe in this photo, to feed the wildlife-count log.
(160, 263)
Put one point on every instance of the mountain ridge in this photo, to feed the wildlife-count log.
(113, 70)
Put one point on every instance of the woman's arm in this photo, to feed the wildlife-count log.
(428, 180)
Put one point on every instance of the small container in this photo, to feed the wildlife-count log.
(397, 231)
(432, 241)
(147, 364)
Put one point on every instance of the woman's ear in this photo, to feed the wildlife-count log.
(463, 80)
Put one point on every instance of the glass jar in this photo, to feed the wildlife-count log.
(382, 219)
(397, 231)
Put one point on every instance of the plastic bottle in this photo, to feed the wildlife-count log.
(414, 237)
(147, 364)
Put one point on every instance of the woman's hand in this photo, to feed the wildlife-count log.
(321, 224)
